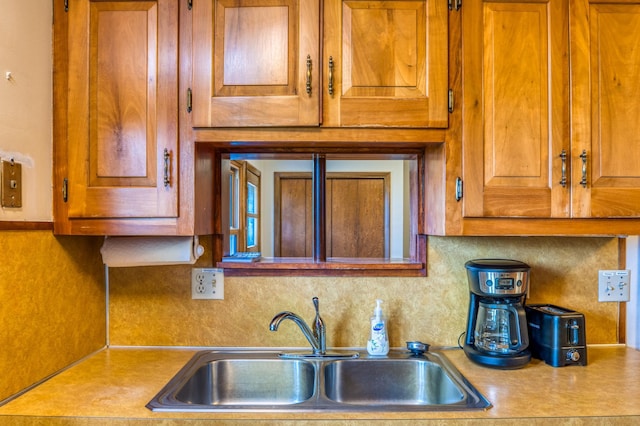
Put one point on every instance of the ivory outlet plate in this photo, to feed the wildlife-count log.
(207, 283)
(613, 285)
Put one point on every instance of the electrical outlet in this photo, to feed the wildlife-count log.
(613, 285)
(207, 283)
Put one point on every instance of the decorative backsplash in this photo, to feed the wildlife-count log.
(52, 305)
(153, 305)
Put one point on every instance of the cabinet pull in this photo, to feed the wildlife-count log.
(563, 156)
(65, 190)
(583, 181)
(189, 100)
(167, 168)
(309, 75)
(330, 75)
(458, 189)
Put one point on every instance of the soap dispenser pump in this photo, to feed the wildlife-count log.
(378, 343)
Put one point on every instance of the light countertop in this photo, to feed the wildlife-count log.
(114, 386)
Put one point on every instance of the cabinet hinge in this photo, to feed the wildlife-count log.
(458, 189)
(189, 102)
(65, 193)
(455, 4)
(190, 4)
(451, 100)
(66, 5)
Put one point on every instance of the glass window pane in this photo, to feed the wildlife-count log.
(233, 244)
(231, 204)
(234, 195)
(252, 204)
(252, 232)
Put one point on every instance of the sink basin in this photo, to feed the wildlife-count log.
(249, 382)
(390, 382)
(226, 381)
(237, 381)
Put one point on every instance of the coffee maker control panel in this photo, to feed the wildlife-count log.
(503, 283)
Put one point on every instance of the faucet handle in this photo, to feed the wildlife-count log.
(318, 323)
(319, 331)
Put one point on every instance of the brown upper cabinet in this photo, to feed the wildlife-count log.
(516, 109)
(256, 63)
(544, 138)
(545, 141)
(547, 134)
(605, 126)
(116, 113)
(259, 63)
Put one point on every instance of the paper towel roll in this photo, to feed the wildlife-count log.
(150, 251)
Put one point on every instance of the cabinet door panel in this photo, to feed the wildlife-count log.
(515, 108)
(123, 109)
(607, 56)
(358, 228)
(390, 63)
(252, 54)
(294, 218)
(256, 63)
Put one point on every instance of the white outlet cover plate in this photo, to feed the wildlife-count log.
(613, 285)
(207, 283)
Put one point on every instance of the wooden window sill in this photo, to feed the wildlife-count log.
(299, 266)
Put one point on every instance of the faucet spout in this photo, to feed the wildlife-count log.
(316, 337)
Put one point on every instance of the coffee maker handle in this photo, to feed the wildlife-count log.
(520, 329)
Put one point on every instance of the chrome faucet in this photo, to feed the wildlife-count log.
(316, 337)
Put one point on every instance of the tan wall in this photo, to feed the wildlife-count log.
(52, 305)
(25, 103)
(153, 306)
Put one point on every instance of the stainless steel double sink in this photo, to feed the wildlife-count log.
(219, 381)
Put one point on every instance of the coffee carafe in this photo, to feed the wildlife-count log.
(499, 328)
(497, 333)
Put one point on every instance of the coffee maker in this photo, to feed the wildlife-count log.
(497, 334)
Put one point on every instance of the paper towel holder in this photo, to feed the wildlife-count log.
(150, 250)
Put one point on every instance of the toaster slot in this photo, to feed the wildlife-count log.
(574, 332)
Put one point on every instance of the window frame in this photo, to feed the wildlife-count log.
(319, 265)
(239, 179)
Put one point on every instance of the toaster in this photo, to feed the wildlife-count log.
(556, 335)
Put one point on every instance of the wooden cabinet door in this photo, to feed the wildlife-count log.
(256, 63)
(515, 112)
(605, 63)
(293, 212)
(357, 215)
(385, 63)
(122, 109)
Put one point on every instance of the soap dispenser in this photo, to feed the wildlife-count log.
(378, 343)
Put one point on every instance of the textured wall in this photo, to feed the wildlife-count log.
(153, 306)
(52, 305)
